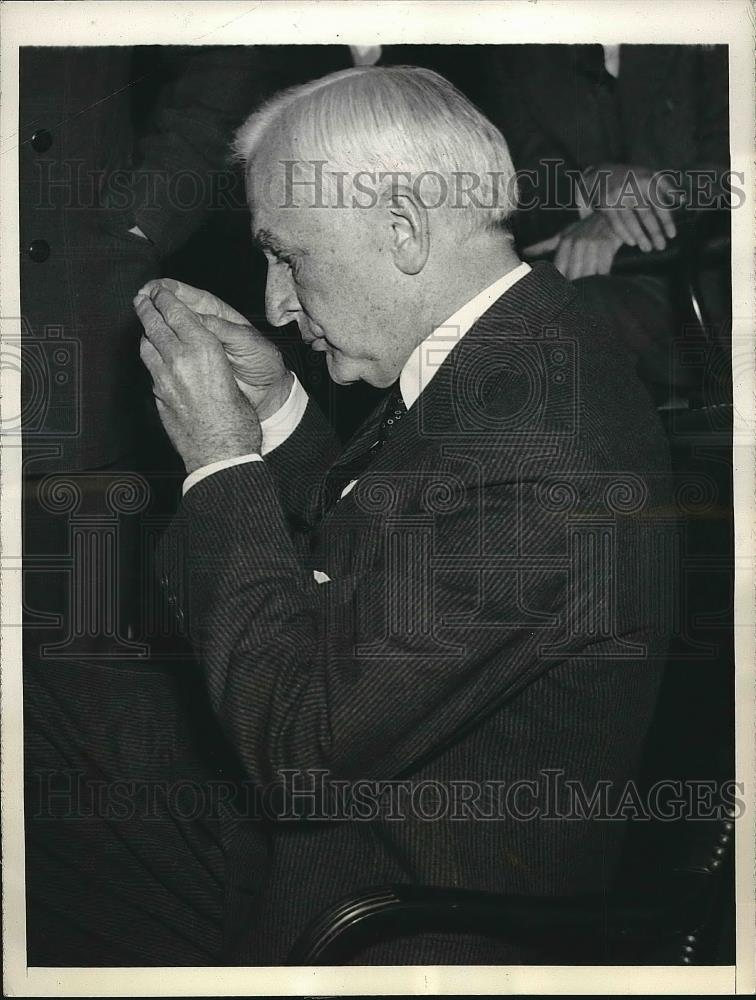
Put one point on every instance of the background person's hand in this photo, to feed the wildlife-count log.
(204, 413)
(581, 249)
(636, 202)
(257, 364)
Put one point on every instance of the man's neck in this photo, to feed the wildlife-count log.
(484, 263)
(476, 298)
(467, 272)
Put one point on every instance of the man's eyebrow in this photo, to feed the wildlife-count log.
(263, 239)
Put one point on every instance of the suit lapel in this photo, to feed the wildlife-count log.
(522, 314)
(520, 317)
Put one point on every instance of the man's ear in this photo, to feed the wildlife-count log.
(410, 238)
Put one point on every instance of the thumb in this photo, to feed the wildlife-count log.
(227, 332)
(223, 328)
(542, 247)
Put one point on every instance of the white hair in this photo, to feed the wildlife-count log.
(399, 118)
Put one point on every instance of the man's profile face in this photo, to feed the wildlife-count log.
(329, 270)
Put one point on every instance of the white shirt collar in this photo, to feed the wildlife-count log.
(431, 353)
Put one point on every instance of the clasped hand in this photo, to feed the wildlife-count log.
(214, 376)
(632, 206)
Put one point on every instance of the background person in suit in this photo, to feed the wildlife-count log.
(124, 171)
(442, 602)
(623, 113)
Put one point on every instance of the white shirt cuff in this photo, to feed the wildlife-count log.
(281, 424)
(275, 430)
(207, 470)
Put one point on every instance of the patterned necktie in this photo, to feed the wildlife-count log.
(342, 474)
(392, 414)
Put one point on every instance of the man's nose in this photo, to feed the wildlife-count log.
(281, 303)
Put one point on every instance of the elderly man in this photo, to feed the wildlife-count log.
(440, 641)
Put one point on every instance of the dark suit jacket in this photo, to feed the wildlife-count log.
(493, 614)
(111, 137)
(673, 107)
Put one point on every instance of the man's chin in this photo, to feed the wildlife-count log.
(341, 370)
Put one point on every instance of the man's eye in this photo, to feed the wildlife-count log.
(287, 260)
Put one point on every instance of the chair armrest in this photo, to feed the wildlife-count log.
(587, 926)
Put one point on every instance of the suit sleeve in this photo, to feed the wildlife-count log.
(367, 675)
(298, 465)
(713, 132)
(182, 153)
(712, 139)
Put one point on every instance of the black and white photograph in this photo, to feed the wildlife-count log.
(377, 498)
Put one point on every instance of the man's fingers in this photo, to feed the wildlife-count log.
(605, 257)
(579, 265)
(571, 261)
(637, 231)
(155, 366)
(664, 193)
(150, 355)
(156, 331)
(182, 320)
(228, 332)
(620, 228)
(652, 227)
(591, 258)
(667, 222)
(197, 299)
